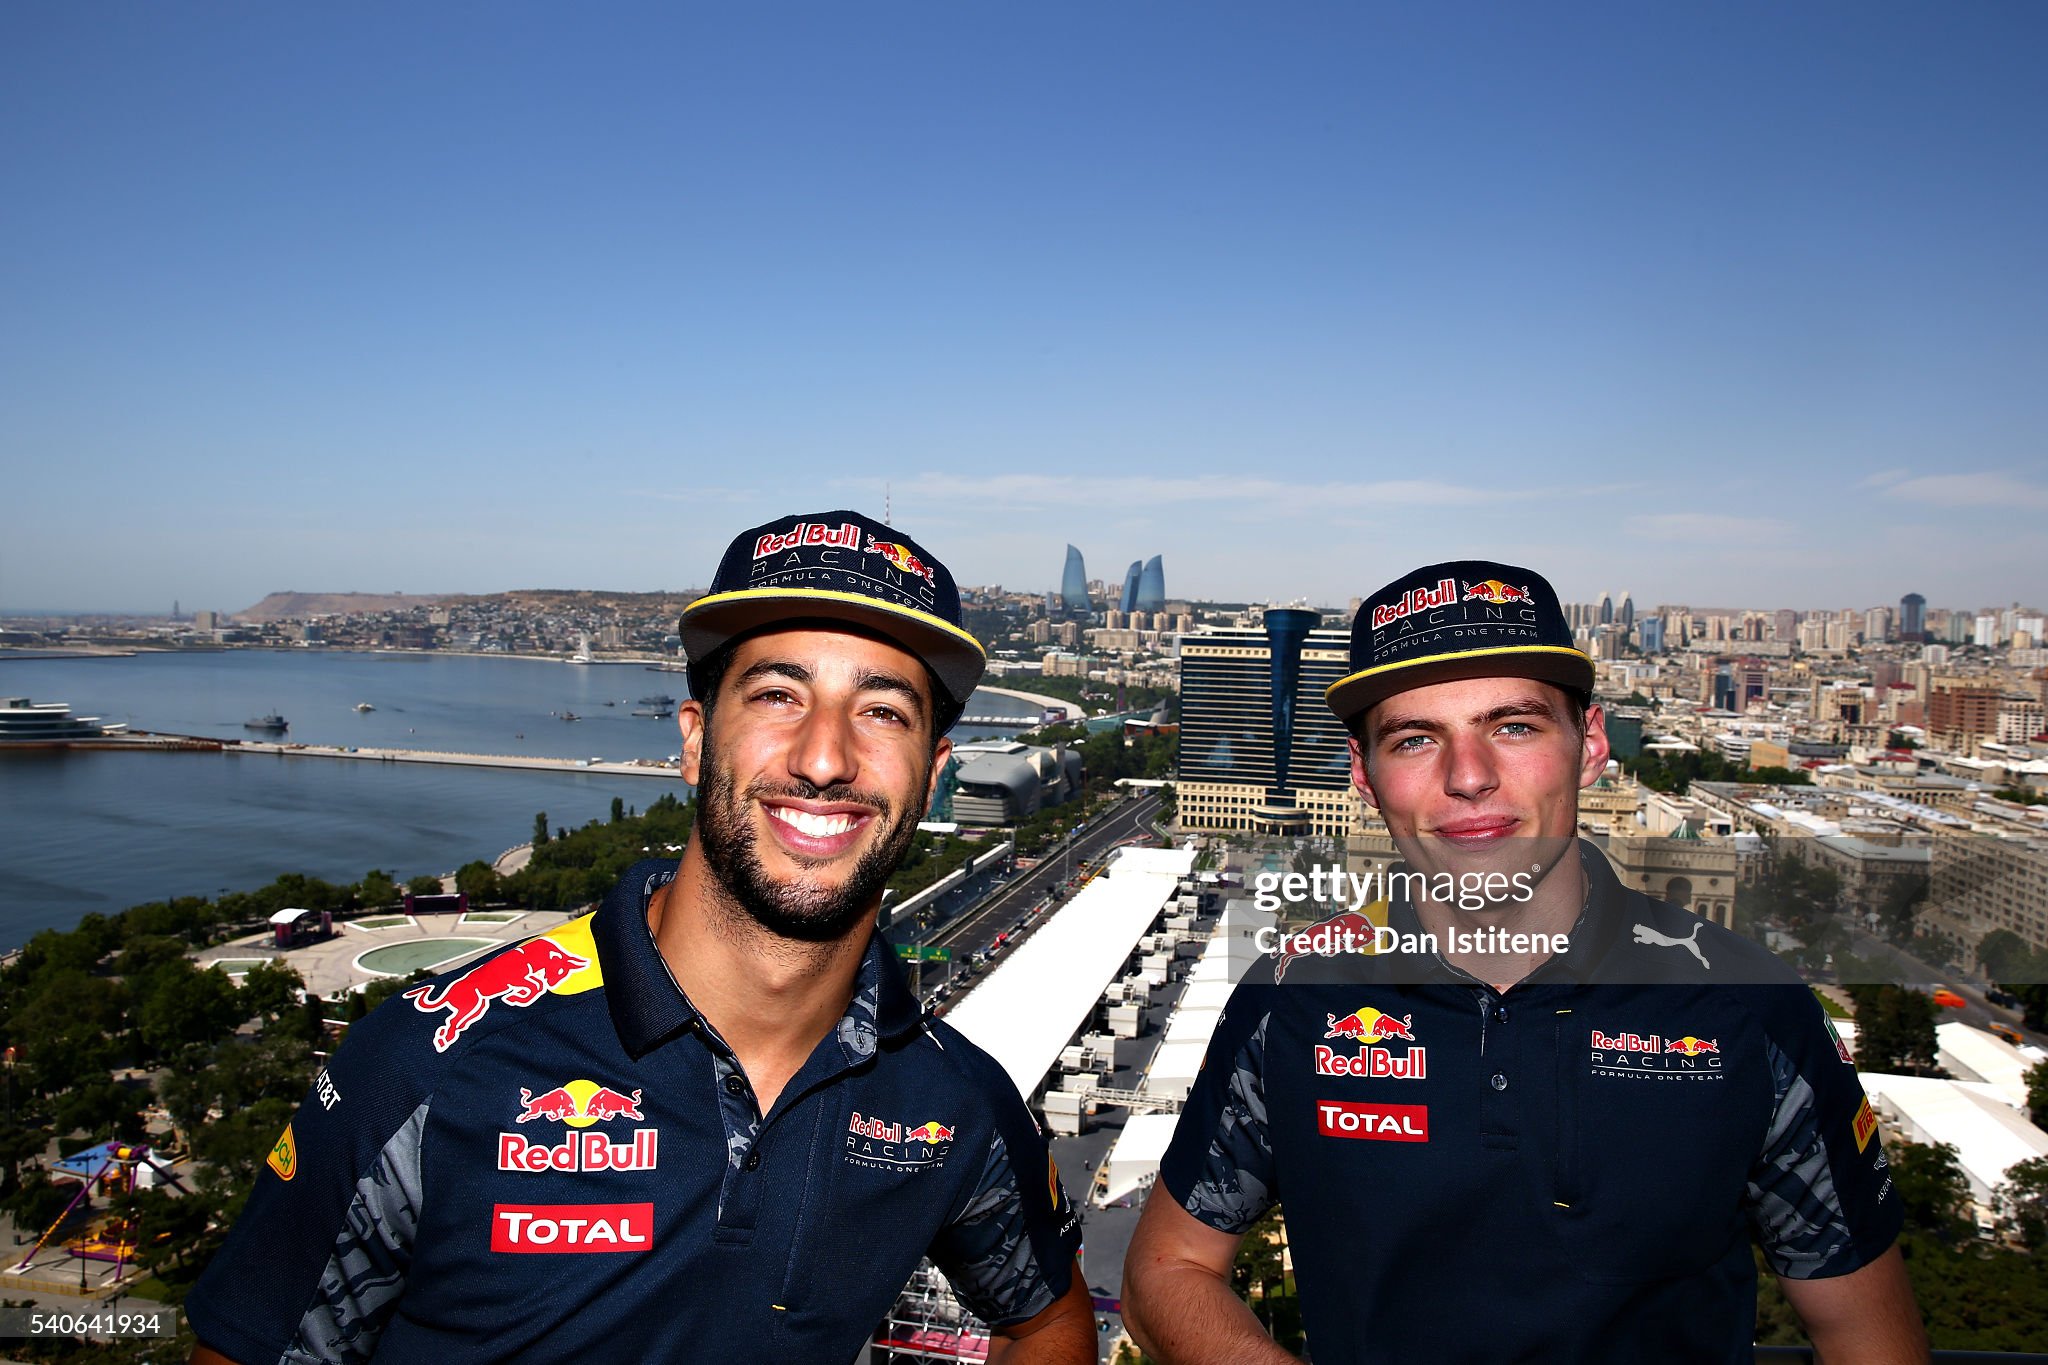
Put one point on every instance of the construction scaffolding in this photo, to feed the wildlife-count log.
(927, 1325)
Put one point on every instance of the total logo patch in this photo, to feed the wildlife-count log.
(1369, 1027)
(553, 1229)
(1651, 1056)
(883, 1145)
(1373, 1122)
(579, 1104)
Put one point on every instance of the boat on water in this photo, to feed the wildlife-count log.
(364, 706)
(658, 712)
(658, 699)
(570, 715)
(273, 721)
(48, 722)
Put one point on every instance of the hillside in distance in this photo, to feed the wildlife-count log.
(298, 606)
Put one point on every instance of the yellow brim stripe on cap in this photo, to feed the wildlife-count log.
(1364, 673)
(854, 599)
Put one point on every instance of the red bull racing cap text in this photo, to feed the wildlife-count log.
(1469, 618)
(838, 566)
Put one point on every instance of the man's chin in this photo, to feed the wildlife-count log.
(1521, 859)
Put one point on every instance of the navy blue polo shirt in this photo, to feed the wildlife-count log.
(551, 1153)
(1571, 1170)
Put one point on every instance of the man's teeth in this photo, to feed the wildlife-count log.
(817, 826)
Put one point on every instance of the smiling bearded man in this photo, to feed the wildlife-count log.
(708, 1121)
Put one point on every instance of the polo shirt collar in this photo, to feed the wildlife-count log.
(1593, 938)
(648, 1006)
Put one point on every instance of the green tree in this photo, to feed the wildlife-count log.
(540, 828)
(2023, 1201)
(1894, 1029)
(618, 809)
(1902, 900)
(270, 990)
(2037, 1094)
(477, 880)
(376, 890)
(187, 1008)
(426, 884)
(1932, 1188)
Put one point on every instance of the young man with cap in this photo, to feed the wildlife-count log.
(708, 1121)
(1551, 1147)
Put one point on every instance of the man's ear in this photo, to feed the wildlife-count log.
(1593, 757)
(690, 722)
(1359, 779)
(940, 754)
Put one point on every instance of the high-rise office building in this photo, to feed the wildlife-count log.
(1128, 602)
(1912, 618)
(1259, 749)
(1606, 611)
(1152, 585)
(1074, 585)
(1650, 633)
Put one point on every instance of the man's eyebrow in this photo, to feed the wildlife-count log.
(1392, 723)
(1528, 706)
(775, 668)
(873, 680)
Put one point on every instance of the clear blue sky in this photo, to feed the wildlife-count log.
(1739, 304)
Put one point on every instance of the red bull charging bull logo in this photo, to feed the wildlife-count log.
(1494, 591)
(900, 557)
(899, 1146)
(518, 976)
(1368, 1027)
(579, 1104)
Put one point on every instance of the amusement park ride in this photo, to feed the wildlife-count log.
(111, 1169)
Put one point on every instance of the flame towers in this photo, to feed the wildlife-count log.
(1074, 585)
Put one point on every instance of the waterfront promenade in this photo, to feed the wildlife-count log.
(633, 768)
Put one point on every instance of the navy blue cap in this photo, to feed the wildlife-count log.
(838, 566)
(1469, 618)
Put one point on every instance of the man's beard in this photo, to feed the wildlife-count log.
(797, 909)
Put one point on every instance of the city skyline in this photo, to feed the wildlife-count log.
(1730, 306)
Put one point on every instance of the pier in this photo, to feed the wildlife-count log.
(626, 768)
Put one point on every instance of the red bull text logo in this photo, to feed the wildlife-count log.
(900, 557)
(807, 533)
(928, 1131)
(1416, 600)
(1368, 1026)
(1494, 591)
(896, 1146)
(519, 976)
(1651, 1054)
(579, 1104)
(554, 1228)
(1373, 1122)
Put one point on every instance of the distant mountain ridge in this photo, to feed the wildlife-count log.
(282, 606)
(298, 606)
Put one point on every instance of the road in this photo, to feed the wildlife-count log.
(1024, 896)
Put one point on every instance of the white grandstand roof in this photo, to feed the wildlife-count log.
(1989, 1135)
(1975, 1054)
(1139, 1150)
(1176, 1064)
(1028, 1009)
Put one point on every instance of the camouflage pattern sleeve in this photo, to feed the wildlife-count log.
(1820, 1192)
(1220, 1165)
(997, 1267)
